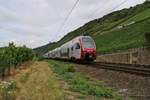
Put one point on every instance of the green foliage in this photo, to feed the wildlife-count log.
(81, 83)
(12, 56)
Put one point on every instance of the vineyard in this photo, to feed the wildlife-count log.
(12, 56)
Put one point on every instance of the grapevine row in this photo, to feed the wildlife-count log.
(13, 56)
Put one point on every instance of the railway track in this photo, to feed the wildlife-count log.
(143, 70)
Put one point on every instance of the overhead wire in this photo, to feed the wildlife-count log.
(74, 6)
(68, 15)
(95, 11)
(91, 15)
(123, 2)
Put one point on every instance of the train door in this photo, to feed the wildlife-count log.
(77, 51)
(68, 52)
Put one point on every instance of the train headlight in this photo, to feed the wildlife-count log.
(90, 56)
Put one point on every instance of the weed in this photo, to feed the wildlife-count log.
(70, 68)
(24, 78)
(7, 90)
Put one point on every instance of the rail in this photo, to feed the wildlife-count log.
(143, 70)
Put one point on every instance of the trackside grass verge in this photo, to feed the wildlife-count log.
(32, 82)
(81, 83)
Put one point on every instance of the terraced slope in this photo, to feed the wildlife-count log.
(119, 30)
(141, 16)
(128, 37)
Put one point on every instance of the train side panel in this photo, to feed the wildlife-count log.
(80, 48)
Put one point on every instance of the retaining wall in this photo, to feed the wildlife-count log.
(132, 56)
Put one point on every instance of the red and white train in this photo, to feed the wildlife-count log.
(81, 48)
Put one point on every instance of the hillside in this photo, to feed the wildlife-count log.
(119, 30)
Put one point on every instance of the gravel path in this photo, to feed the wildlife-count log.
(136, 87)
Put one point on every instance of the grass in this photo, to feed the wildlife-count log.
(37, 82)
(81, 83)
(24, 78)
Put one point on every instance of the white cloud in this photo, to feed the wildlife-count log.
(36, 22)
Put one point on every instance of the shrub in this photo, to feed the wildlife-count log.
(70, 68)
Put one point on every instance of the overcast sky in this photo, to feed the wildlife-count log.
(36, 22)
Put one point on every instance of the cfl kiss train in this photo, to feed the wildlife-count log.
(81, 48)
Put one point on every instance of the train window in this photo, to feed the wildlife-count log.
(88, 43)
(77, 46)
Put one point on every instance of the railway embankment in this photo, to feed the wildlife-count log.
(139, 56)
(130, 86)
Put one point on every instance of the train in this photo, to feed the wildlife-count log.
(81, 48)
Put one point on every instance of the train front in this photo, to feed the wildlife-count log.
(88, 49)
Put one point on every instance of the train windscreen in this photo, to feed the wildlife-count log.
(88, 43)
